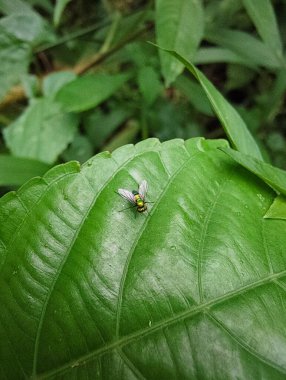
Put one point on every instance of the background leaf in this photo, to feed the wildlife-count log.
(231, 121)
(179, 26)
(19, 33)
(9, 7)
(253, 50)
(42, 132)
(89, 91)
(100, 125)
(263, 16)
(14, 171)
(94, 290)
(58, 11)
(278, 208)
(149, 84)
(195, 94)
(54, 82)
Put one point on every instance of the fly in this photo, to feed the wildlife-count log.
(136, 198)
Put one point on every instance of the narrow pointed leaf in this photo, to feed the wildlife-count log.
(274, 177)
(263, 16)
(278, 208)
(58, 10)
(252, 50)
(192, 290)
(231, 121)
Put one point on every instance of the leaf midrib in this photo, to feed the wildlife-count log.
(140, 234)
(204, 307)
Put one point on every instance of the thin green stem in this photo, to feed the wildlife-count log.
(111, 33)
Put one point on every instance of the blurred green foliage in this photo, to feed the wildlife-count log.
(79, 77)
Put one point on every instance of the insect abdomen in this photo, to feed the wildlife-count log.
(142, 209)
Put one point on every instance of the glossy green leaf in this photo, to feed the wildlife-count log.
(89, 91)
(274, 177)
(179, 26)
(42, 132)
(195, 289)
(231, 121)
(14, 171)
(263, 16)
(278, 208)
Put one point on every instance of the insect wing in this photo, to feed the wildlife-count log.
(143, 188)
(127, 195)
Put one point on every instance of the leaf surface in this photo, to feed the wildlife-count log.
(88, 291)
(274, 177)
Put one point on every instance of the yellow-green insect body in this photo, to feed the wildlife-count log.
(141, 205)
(137, 198)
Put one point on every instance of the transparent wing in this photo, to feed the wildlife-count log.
(143, 188)
(126, 195)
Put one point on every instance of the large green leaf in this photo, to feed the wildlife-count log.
(195, 289)
(179, 26)
(274, 177)
(42, 132)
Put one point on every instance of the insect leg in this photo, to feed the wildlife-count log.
(127, 208)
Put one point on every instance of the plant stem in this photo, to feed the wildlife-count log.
(111, 33)
(99, 57)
